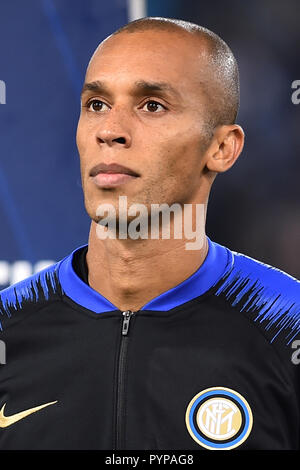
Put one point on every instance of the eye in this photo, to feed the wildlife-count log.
(97, 106)
(153, 106)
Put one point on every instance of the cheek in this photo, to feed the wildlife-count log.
(181, 166)
(181, 158)
(81, 137)
(86, 134)
(82, 142)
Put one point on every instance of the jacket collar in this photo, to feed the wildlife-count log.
(209, 273)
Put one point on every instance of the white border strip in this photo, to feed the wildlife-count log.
(136, 9)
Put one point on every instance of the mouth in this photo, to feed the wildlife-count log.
(112, 175)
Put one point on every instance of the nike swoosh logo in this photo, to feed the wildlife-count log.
(6, 421)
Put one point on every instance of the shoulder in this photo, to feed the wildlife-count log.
(30, 293)
(269, 296)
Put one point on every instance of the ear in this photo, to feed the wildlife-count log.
(225, 148)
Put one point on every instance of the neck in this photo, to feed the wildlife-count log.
(129, 273)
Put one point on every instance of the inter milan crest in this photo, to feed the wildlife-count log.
(219, 418)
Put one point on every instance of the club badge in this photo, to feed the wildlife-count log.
(219, 418)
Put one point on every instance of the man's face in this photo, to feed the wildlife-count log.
(147, 113)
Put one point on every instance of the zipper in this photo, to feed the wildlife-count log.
(126, 321)
(120, 405)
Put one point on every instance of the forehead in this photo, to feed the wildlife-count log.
(171, 57)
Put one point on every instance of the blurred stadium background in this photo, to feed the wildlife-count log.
(45, 46)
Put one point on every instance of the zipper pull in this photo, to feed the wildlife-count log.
(126, 320)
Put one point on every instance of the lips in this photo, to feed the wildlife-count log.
(112, 168)
(109, 176)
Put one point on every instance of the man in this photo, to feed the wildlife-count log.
(138, 342)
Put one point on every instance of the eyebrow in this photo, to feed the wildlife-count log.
(141, 85)
(148, 87)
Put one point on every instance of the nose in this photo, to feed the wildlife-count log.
(111, 131)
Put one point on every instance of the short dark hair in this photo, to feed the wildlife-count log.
(223, 91)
